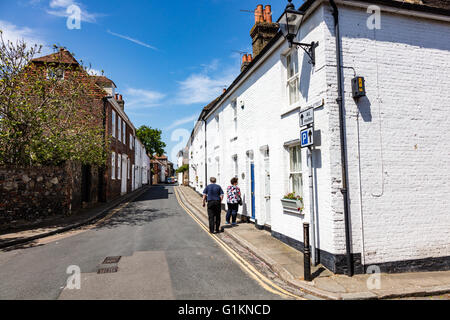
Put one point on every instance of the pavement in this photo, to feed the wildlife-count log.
(287, 263)
(165, 255)
(25, 233)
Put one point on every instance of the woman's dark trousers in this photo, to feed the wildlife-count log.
(232, 212)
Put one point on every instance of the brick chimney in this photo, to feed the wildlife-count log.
(120, 101)
(264, 29)
(246, 59)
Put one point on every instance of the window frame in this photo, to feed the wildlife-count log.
(113, 165)
(124, 132)
(292, 59)
(119, 166)
(293, 172)
(52, 74)
(217, 118)
(119, 128)
(235, 114)
(113, 123)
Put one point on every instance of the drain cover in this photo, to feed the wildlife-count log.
(108, 270)
(109, 260)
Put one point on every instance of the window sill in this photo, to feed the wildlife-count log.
(291, 108)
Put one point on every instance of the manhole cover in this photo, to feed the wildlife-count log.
(109, 260)
(108, 270)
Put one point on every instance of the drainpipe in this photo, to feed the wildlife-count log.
(340, 102)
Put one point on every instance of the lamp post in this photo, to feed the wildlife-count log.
(290, 23)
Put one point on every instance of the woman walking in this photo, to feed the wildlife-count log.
(233, 201)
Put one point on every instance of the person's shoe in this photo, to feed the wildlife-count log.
(227, 223)
(234, 224)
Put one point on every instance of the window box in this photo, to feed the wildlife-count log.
(292, 206)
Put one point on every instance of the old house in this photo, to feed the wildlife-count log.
(379, 161)
(53, 190)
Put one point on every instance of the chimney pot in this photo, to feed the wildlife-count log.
(116, 96)
(249, 58)
(244, 58)
(120, 97)
(259, 15)
(268, 14)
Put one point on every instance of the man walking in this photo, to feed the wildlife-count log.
(213, 194)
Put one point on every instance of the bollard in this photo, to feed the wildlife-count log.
(307, 253)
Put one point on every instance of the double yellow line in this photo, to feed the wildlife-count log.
(262, 280)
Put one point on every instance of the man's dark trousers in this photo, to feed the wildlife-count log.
(214, 210)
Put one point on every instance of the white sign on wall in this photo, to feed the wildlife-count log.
(306, 117)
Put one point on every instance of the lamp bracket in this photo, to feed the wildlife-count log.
(309, 48)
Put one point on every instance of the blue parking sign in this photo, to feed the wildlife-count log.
(307, 137)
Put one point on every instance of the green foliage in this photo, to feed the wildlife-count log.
(151, 139)
(46, 119)
(293, 196)
(183, 168)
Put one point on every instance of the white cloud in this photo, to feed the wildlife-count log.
(182, 121)
(15, 33)
(205, 86)
(95, 72)
(133, 40)
(59, 7)
(141, 98)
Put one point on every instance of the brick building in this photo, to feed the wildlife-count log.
(162, 169)
(396, 137)
(116, 178)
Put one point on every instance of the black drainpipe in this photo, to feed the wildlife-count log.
(339, 100)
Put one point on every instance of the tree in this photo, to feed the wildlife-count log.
(151, 139)
(183, 168)
(48, 114)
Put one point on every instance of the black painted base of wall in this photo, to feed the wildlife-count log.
(337, 263)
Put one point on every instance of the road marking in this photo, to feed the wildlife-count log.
(246, 266)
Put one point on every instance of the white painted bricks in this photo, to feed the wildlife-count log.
(398, 142)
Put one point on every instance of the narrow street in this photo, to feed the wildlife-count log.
(164, 255)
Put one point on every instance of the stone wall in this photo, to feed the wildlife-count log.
(30, 194)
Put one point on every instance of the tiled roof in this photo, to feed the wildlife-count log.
(102, 80)
(62, 56)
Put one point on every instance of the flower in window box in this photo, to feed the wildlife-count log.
(292, 203)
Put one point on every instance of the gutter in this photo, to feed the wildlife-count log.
(340, 102)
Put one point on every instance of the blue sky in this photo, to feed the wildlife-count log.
(167, 58)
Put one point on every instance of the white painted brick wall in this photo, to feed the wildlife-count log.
(403, 136)
(260, 123)
(404, 140)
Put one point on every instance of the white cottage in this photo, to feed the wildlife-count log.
(381, 167)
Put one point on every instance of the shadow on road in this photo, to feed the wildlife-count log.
(139, 213)
(155, 193)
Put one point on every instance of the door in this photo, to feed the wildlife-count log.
(252, 186)
(86, 183)
(124, 174)
(267, 189)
